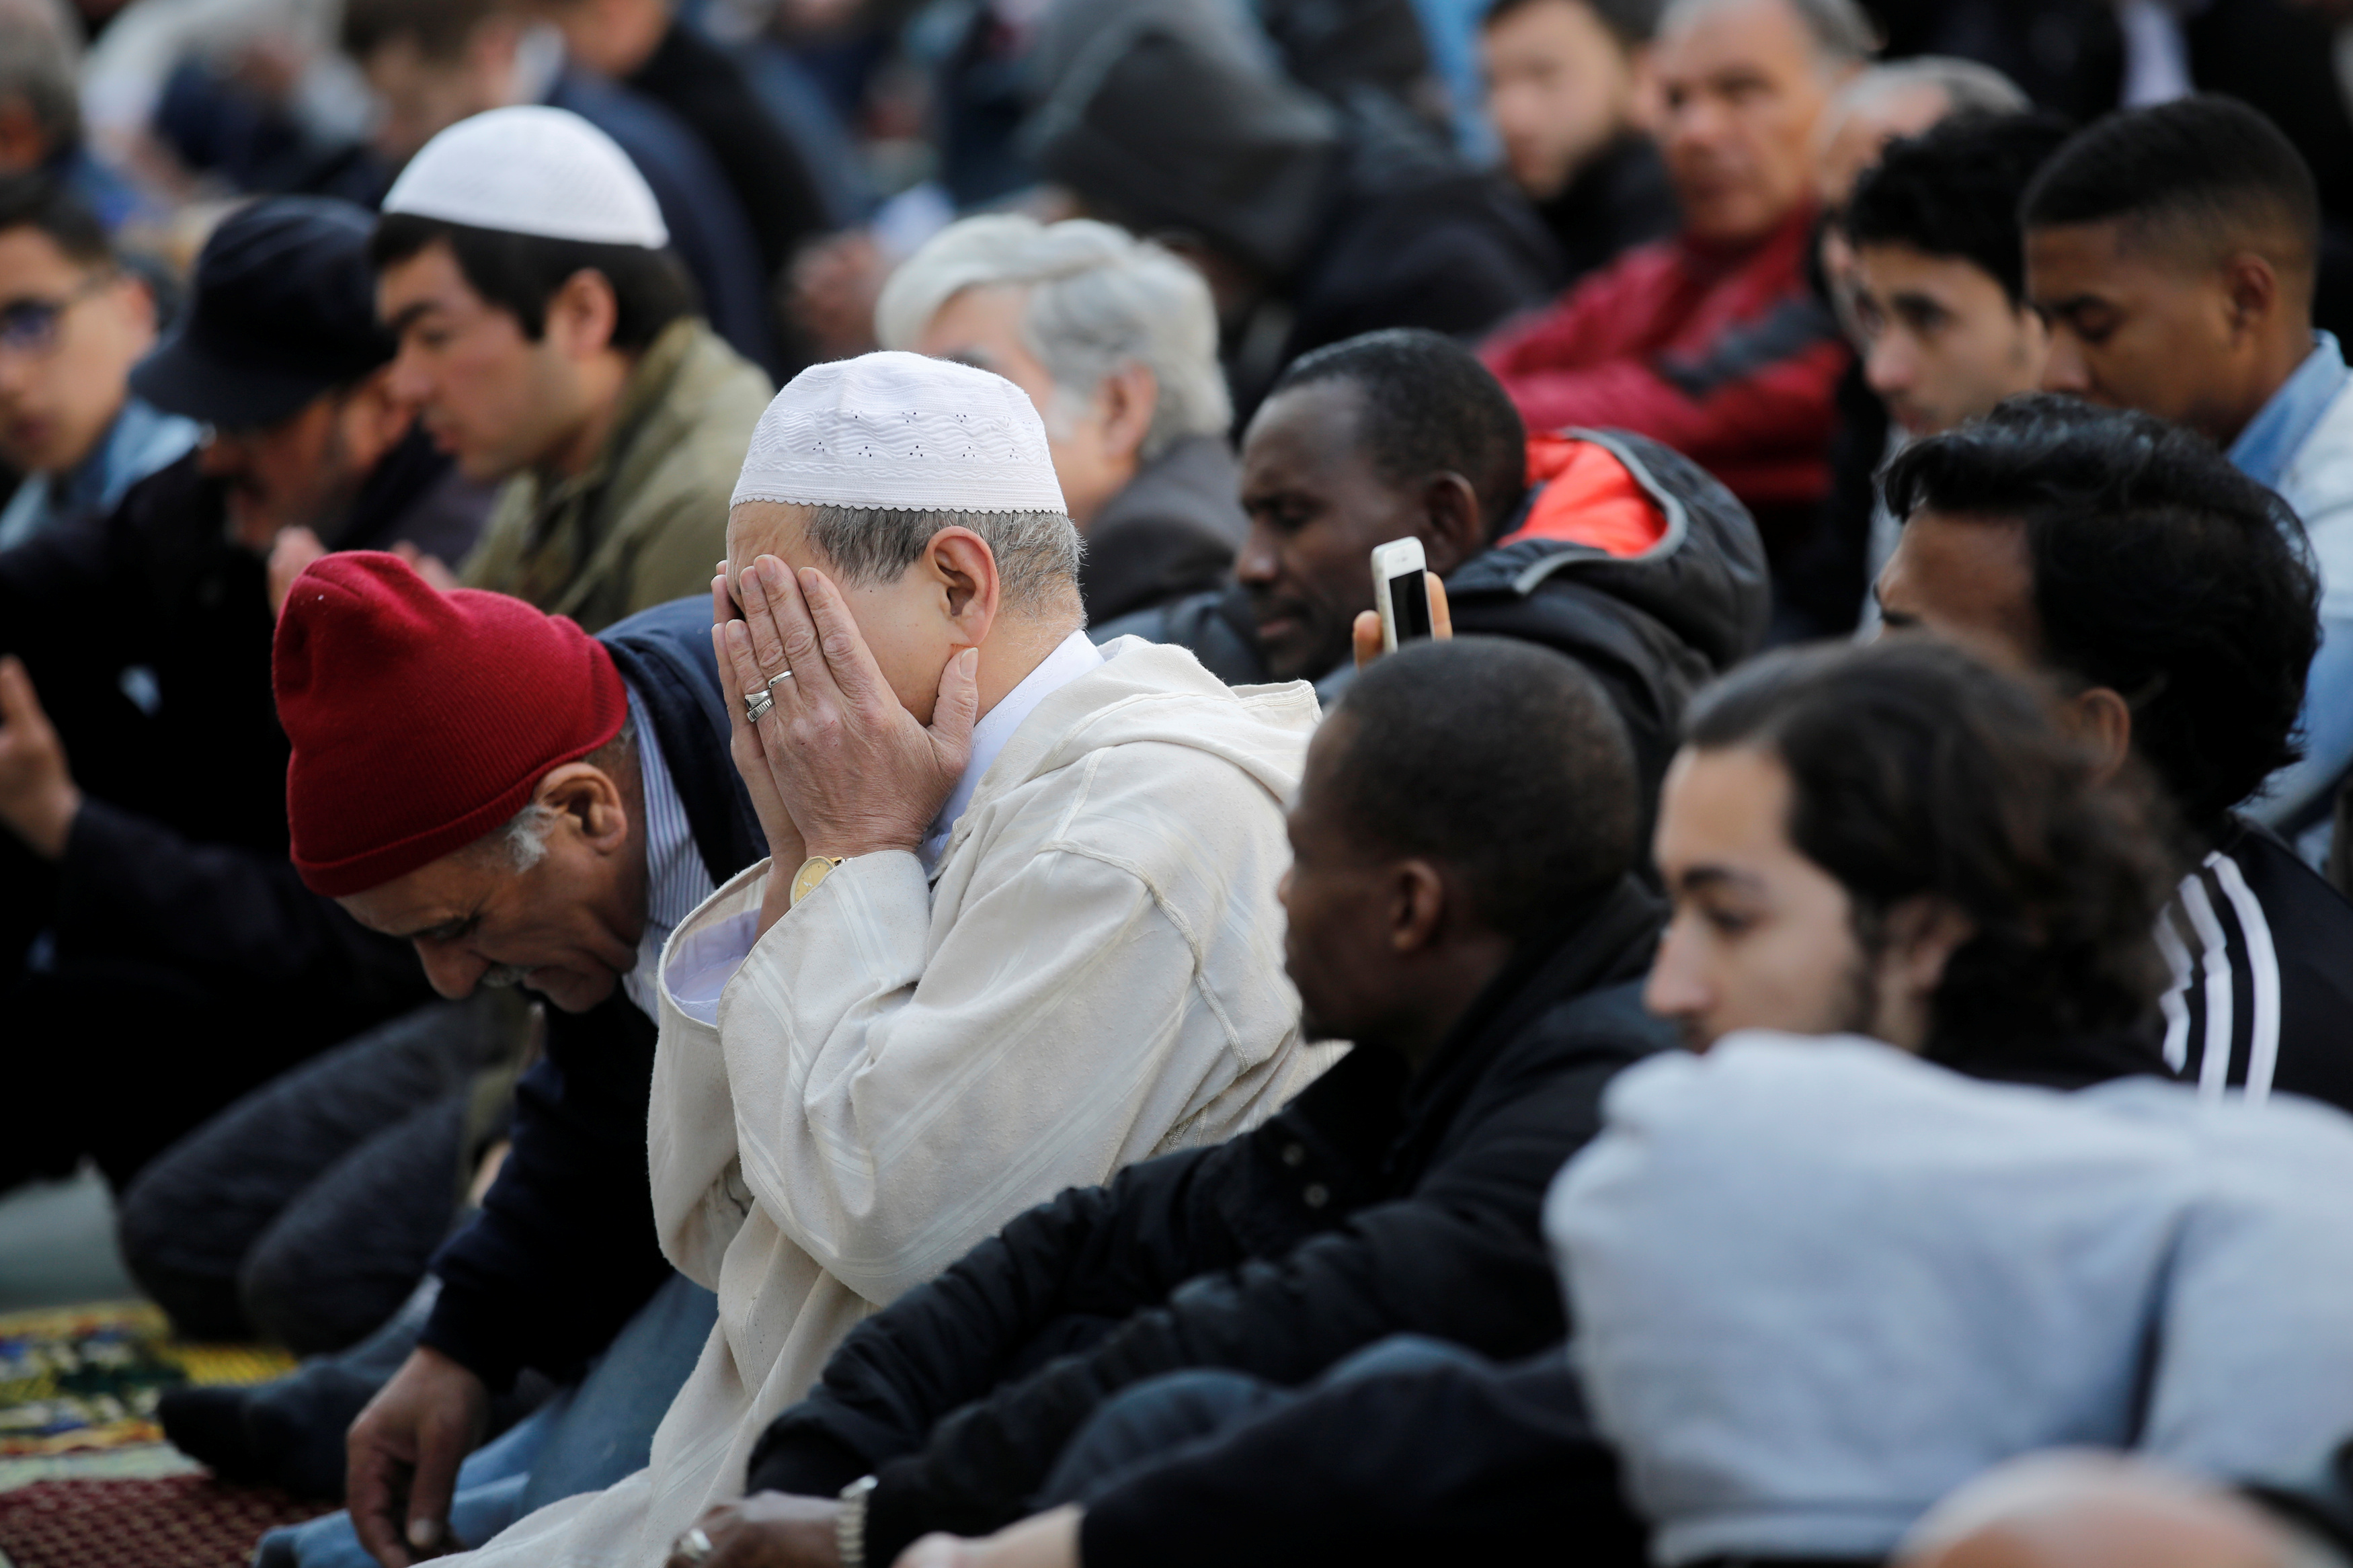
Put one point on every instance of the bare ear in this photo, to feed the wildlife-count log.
(590, 800)
(582, 314)
(2253, 290)
(1919, 937)
(1129, 396)
(384, 415)
(1454, 527)
(965, 568)
(2102, 719)
(1417, 907)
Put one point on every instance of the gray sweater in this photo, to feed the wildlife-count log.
(1818, 1283)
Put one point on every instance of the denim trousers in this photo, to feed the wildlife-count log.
(1142, 1426)
(581, 1440)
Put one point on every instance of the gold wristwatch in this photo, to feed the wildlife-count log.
(813, 869)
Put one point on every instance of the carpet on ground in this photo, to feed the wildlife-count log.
(86, 1479)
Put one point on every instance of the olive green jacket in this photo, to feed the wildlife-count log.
(648, 517)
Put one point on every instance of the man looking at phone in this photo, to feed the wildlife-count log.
(1404, 435)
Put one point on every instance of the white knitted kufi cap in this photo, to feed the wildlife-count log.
(901, 432)
(532, 170)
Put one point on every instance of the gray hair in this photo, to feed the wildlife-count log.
(521, 840)
(1842, 32)
(40, 53)
(1968, 86)
(1099, 299)
(1036, 552)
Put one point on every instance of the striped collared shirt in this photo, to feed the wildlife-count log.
(676, 879)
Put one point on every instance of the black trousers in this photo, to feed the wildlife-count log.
(305, 1212)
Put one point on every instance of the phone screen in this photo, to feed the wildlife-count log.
(1409, 606)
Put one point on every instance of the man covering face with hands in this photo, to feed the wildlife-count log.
(1018, 928)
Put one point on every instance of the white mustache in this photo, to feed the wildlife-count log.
(503, 974)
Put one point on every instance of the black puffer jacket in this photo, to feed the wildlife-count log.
(1653, 629)
(1371, 1205)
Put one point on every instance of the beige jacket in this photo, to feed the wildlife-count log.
(643, 523)
(1093, 977)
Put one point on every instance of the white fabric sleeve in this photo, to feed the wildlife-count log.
(895, 1102)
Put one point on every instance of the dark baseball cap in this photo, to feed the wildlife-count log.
(281, 309)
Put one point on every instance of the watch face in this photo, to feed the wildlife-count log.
(813, 870)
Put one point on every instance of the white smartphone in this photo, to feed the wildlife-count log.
(1401, 592)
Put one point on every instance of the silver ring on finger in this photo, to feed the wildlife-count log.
(694, 1546)
(771, 683)
(757, 705)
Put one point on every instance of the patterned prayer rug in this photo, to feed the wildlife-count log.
(82, 1378)
(86, 1479)
(173, 1521)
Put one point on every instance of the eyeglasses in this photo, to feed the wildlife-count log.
(30, 326)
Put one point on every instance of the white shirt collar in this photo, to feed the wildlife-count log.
(1074, 657)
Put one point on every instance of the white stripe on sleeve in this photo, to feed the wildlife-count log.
(2176, 1010)
(2214, 1067)
(2262, 969)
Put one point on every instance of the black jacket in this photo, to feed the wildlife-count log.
(1653, 629)
(1171, 531)
(1411, 237)
(1821, 590)
(1618, 200)
(147, 633)
(1456, 1464)
(1344, 214)
(564, 1248)
(2256, 940)
(707, 88)
(1374, 1203)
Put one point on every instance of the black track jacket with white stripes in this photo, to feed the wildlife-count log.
(2261, 948)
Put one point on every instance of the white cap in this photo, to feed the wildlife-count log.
(532, 170)
(901, 432)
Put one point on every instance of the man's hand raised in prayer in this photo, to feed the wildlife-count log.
(39, 801)
(1366, 630)
(855, 773)
(402, 1456)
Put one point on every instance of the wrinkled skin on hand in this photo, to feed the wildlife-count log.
(402, 1456)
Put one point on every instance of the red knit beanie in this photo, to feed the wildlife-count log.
(421, 720)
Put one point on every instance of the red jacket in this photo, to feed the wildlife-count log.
(1728, 357)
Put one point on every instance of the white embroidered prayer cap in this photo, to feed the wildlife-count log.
(901, 432)
(532, 170)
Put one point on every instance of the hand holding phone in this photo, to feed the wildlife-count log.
(1402, 593)
(1426, 614)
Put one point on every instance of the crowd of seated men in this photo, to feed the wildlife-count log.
(775, 873)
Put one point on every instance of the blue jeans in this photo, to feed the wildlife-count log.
(582, 1440)
(1139, 1427)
